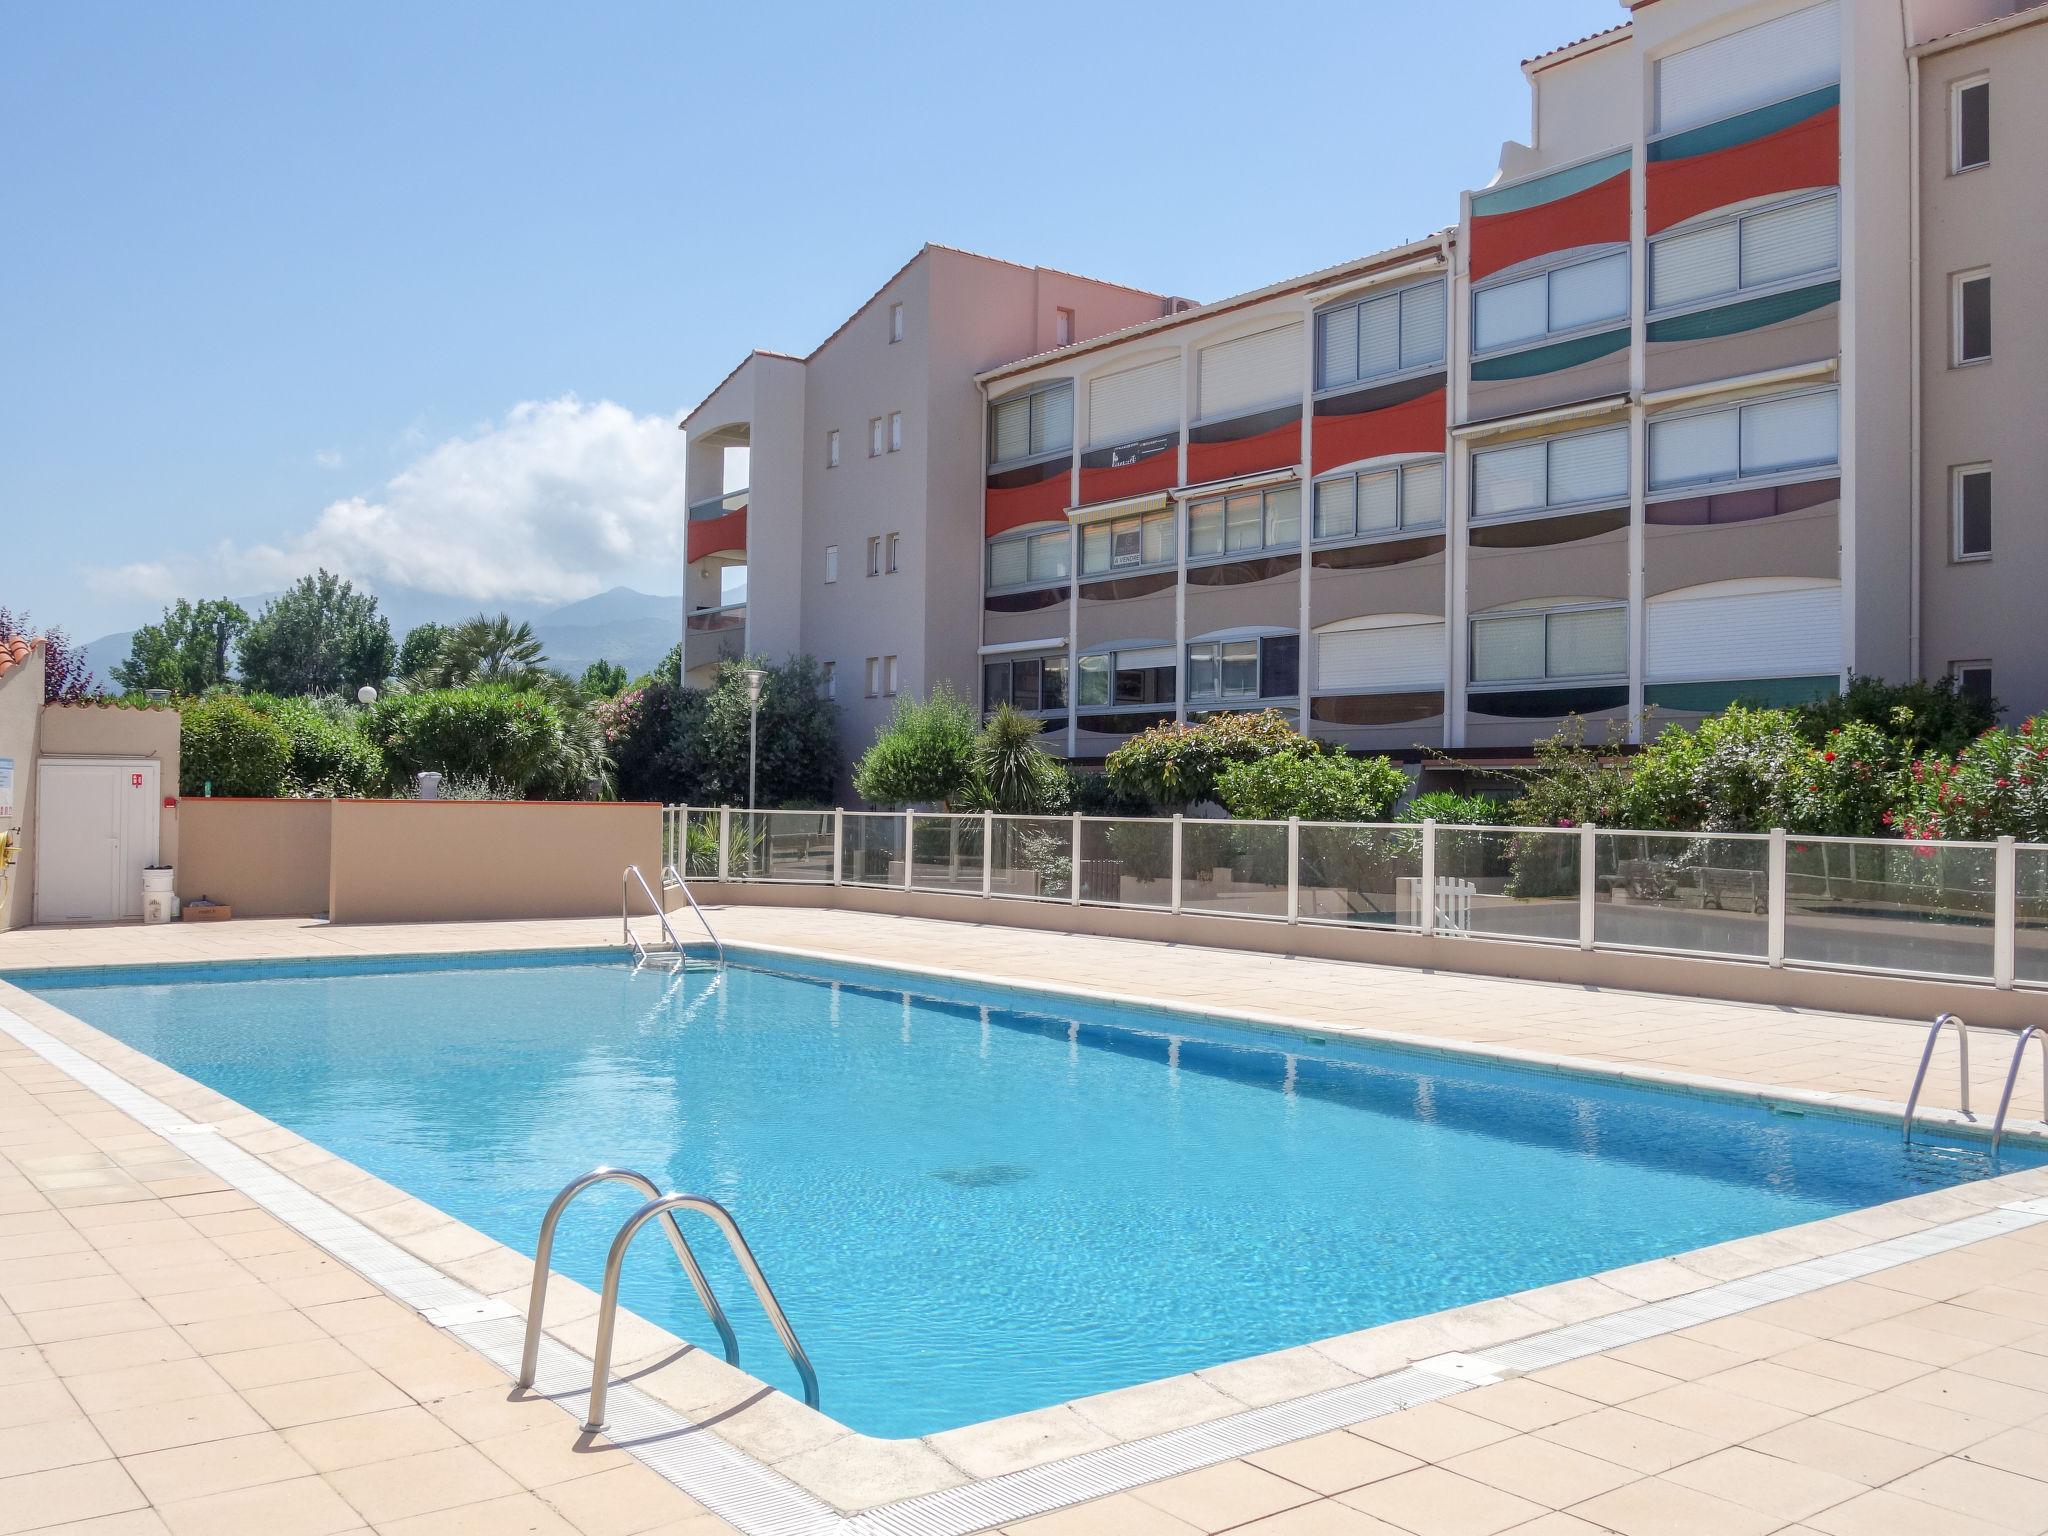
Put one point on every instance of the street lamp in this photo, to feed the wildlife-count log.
(366, 695)
(755, 678)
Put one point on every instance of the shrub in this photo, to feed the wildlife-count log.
(1997, 786)
(228, 747)
(1320, 787)
(1455, 810)
(1177, 765)
(677, 744)
(924, 755)
(1012, 772)
(1920, 717)
(1737, 772)
(1571, 782)
(329, 753)
(489, 731)
(1850, 786)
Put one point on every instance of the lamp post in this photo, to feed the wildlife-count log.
(755, 678)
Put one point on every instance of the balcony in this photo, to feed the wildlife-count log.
(710, 635)
(718, 526)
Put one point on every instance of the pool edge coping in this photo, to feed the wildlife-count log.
(1151, 1412)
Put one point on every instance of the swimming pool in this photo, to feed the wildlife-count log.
(977, 1201)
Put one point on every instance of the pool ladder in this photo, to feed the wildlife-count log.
(668, 950)
(663, 1208)
(2032, 1032)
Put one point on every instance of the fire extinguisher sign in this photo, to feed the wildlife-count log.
(135, 781)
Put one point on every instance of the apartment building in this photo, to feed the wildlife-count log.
(856, 526)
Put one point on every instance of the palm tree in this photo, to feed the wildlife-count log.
(487, 649)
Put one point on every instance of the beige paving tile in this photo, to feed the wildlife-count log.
(1706, 1410)
(387, 1491)
(273, 1364)
(304, 1506)
(1602, 1379)
(1431, 1501)
(65, 1442)
(1542, 1471)
(1881, 1512)
(1915, 1422)
(1219, 1497)
(1324, 1518)
(185, 1421)
(619, 1501)
(215, 1466)
(1655, 1506)
(65, 1495)
(331, 1444)
(1769, 1381)
(139, 1385)
(1991, 1494)
(1630, 1440)
(1334, 1462)
(339, 1396)
(1770, 1485)
(1432, 1432)
(1524, 1404)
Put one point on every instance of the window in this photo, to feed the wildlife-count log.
(895, 541)
(1558, 645)
(1772, 61)
(1387, 333)
(1567, 298)
(1027, 683)
(1971, 497)
(1062, 327)
(1969, 113)
(895, 431)
(1134, 403)
(1025, 426)
(1248, 373)
(1972, 318)
(1261, 668)
(1740, 442)
(1246, 523)
(1550, 474)
(895, 323)
(875, 555)
(889, 676)
(1756, 251)
(1973, 679)
(1382, 501)
(1124, 677)
(874, 676)
(1033, 559)
(874, 437)
(831, 563)
(829, 681)
(832, 449)
(1128, 543)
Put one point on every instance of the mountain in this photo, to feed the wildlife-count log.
(635, 629)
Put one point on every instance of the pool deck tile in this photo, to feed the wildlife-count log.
(174, 1359)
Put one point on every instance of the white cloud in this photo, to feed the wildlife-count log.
(558, 500)
(327, 458)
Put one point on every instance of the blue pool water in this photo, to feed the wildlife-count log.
(973, 1203)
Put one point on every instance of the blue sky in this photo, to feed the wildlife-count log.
(422, 289)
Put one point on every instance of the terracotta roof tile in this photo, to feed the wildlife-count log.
(1620, 26)
(16, 651)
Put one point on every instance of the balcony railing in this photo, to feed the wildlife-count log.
(709, 621)
(717, 506)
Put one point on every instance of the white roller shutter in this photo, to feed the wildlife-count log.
(1790, 242)
(1251, 372)
(1699, 265)
(1387, 656)
(1751, 68)
(1732, 629)
(1152, 656)
(1138, 402)
(1589, 466)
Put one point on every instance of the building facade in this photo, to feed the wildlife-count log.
(1703, 398)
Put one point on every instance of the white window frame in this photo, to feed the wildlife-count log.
(831, 564)
(895, 431)
(1549, 508)
(894, 551)
(1956, 166)
(1066, 535)
(874, 677)
(874, 554)
(1034, 394)
(1354, 303)
(1956, 476)
(895, 324)
(1593, 679)
(1743, 290)
(1062, 327)
(831, 680)
(1225, 555)
(832, 449)
(1139, 520)
(1403, 528)
(874, 437)
(888, 677)
(1548, 272)
(1956, 669)
(1789, 476)
(1956, 283)
(1220, 698)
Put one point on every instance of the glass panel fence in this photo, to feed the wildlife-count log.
(1129, 863)
(871, 851)
(1034, 858)
(1507, 884)
(783, 845)
(945, 854)
(1889, 906)
(690, 843)
(2030, 928)
(1234, 867)
(1683, 891)
(1360, 874)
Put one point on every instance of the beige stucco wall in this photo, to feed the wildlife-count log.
(21, 705)
(397, 861)
(264, 858)
(120, 730)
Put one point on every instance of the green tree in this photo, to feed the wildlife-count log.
(187, 651)
(320, 636)
(421, 647)
(330, 755)
(602, 679)
(1320, 786)
(509, 735)
(487, 648)
(924, 755)
(672, 744)
(229, 747)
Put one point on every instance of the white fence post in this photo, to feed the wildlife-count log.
(1074, 874)
(1589, 880)
(988, 854)
(2005, 907)
(839, 845)
(1428, 892)
(1294, 869)
(724, 843)
(1774, 941)
(1174, 873)
(909, 847)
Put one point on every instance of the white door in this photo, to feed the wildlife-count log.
(96, 829)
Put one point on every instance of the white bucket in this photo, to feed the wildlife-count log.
(157, 879)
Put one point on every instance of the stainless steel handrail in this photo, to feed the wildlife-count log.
(608, 1307)
(660, 912)
(2012, 1077)
(537, 1299)
(1927, 1056)
(716, 943)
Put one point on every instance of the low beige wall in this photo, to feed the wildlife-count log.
(403, 861)
(1883, 996)
(121, 730)
(21, 708)
(264, 858)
